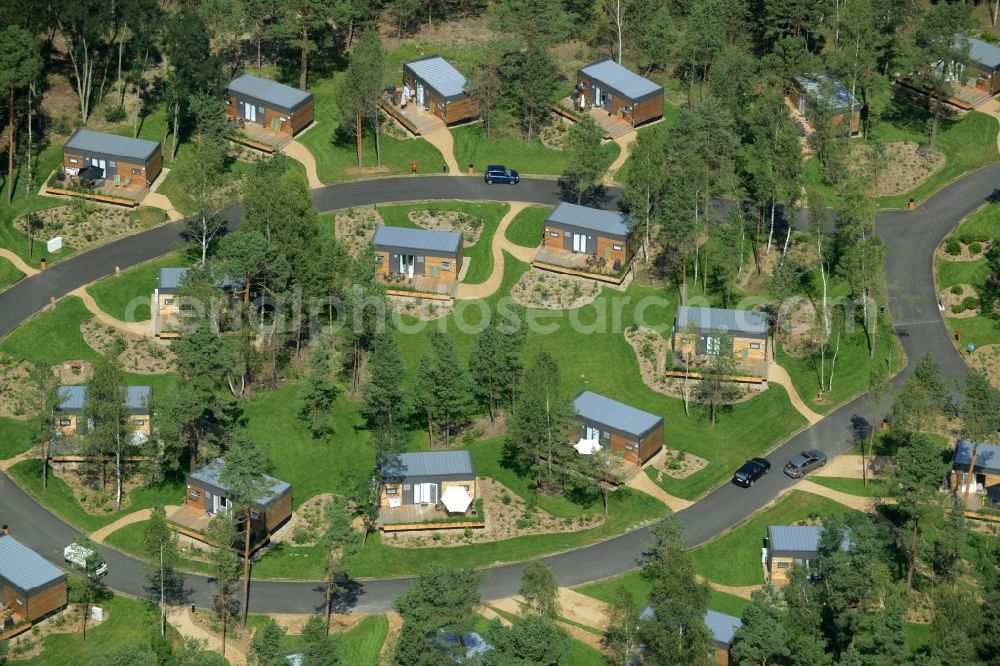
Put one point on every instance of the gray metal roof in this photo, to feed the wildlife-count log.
(170, 278)
(601, 409)
(621, 79)
(267, 90)
(111, 144)
(24, 568)
(73, 397)
(210, 474)
(797, 538)
(987, 457)
(982, 52)
(829, 91)
(718, 319)
(722, 626)
(432, 463)
(595, 219)
(424, 240)
(440, 75)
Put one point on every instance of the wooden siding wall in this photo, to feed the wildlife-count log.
(67, 431)
(46, 601)
(278, 512)
(554, 242)
(619, 444)
(301, 119)
(462, 109)
(145, 418)
(779, 576)
(644, 111)
(382, 266)
(647, 110)
(606, 249)
(446, 273)
(721, 657)
(137, 181)
(687, 342)
(168, 311)
(987, 79)
(956, 478)
(384, 502)
(11, 597)
(201, 501)
(230, 105)
(651, 443)
(292, 125)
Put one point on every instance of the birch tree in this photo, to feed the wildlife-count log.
(160, 546)
(19, 64)
(645, 184)
(82, 24)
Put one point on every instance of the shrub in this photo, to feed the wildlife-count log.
(505, 499)
(522, 523)
(970, 303)
(958, 308)
(115, 114)
(975, 247)
(966, 238)
(436, 536)
(952, 246)
(957, 289)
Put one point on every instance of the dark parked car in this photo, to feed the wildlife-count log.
(752, 470)
(804, 463)
(496, 173)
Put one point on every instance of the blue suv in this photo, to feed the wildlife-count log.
(496, 173)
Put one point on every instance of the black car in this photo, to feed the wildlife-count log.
(496, 173)
(804, 463)
(752, 470)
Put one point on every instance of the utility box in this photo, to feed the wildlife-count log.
(55, 244)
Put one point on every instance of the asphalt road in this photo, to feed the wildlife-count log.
(911, 237)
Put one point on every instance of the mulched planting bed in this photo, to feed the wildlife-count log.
(677, 464)
(82, 224)
(471, 226)
(907, 165)
(356, 226)
(421, 308)
(19, 397)
(954, 303)
(141, 355)
(550, 291)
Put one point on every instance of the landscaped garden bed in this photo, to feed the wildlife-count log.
(470, 226)
(960, 301)
(355, 227)
(83, 225)
(540, 289)
(421, 308)
(906, 165)
(987, 359)
(19, 395)
(676, 464)
(137, 353)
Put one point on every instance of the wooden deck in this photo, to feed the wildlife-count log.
(259, 138)
(414, 118)
(422, 286)
(190, 518)
(574, 263)
(613, 126)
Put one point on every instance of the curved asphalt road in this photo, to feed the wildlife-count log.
(911, 237)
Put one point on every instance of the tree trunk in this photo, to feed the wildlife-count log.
(911, 560)
(970, 475)
(118, 478)
(177, 127)
(770, 234)
(833, 363)
(121, 49)
(304, 70)
(935, 120)
(163, 597)
(259, 35)
(329, 597)
(10, 148)
(31, 96)
(357, 136)
(378, 145)
(246, 570)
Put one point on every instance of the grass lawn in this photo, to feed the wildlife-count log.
(729, 604)
(126, 296)
(967, 144)
(129, 539)
(481, 254)
(979, 330)
(525, 157)
(853, 368)
(8, 274)
(17, 436)
(984, 222)
(527, 228)
(734, 557)
(627, 509)
(875, 487)
(362, 644)
(59, 328)
(59, 496)
(128, 621)
(633, 581)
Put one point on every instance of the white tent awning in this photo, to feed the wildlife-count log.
(587, 447)
(456, 499)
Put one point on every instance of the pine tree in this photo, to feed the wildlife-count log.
(584, 158)
(160, 545)
(443, 386)
(318, 393)
(761, 638)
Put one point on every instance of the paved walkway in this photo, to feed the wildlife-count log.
(157, 200)
(741, 591)
(778, 375)
(389, 644)
(500, 244)
(852, 467)
(181, 620)
(137, 328)
(643, 483)
(443, 141)
(18, 262)
(21, 457)
(853, 501)
(301, 154)
(624, 142)
(98, 536)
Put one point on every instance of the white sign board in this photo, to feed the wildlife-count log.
(97, 614)
(55, 244)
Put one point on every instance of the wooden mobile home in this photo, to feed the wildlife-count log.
(809, 94)
(722, 627)
(423, 477)
(31, 587)
(604, 234)
(984, 69)
(206, 493)
(617, 428)
(792, 544)
(418, 252)
(985, 477)
(272, 105)
(440, 89)
(700, 333)
(166, 306)
(129, 163)
(69, 410)
(621, 92)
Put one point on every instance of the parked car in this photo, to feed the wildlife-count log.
(85, 559)
(804, 463)
(751, 470)
(496, 173)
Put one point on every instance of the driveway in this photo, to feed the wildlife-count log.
(910, 236)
